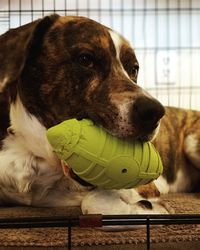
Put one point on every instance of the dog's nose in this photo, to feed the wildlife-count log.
(148, 110)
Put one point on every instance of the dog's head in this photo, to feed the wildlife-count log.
(74, 67)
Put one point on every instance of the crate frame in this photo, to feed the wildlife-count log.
(98, 220)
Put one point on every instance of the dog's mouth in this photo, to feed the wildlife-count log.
(118, 126)
(78, 179)
(148, 133)
(128, 120)
(132, 134)
(128, 131)
(69, 172)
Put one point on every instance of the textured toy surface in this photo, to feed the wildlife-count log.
(102, 159)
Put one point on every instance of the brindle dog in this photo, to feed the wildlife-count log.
(58, 68)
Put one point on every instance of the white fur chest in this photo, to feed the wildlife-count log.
(25, 178)
(30, 173)
(28, 167)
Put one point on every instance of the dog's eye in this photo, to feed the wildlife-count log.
(86, 60)
(134, 71)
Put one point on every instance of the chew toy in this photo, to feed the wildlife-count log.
(102, 159)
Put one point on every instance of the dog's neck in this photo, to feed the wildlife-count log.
(33, 133)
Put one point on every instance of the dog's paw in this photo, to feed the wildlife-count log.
(125, 201)
(104, 202)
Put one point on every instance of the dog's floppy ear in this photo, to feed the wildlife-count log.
(15, 46)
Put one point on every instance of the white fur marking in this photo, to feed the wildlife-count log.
(162, 185)
(117, 40)
(123, 121)
(191, 148)
(3, 84)
(33, 131)
(181, 184)
(29, 171)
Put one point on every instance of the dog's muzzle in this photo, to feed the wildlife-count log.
(146, 113)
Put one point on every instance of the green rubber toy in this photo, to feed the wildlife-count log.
(102, 159)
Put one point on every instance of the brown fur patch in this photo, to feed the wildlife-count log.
(148, 191)
(176, 125)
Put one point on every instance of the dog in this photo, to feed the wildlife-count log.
(57, 68)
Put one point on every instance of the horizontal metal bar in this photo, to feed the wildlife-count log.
(33, 222)
(104, 220)
(152, 220)
(146, 10)
(39, 224)
(167, 48)
(153, 216)
(173, 88)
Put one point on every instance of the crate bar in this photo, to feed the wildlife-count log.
(34, 222)
(99, 220)
(148, 235)
(153, 219)
(141, 10)
(69, 230)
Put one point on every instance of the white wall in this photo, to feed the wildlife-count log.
(165, 34)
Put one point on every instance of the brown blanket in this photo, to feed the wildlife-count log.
(57, 237)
